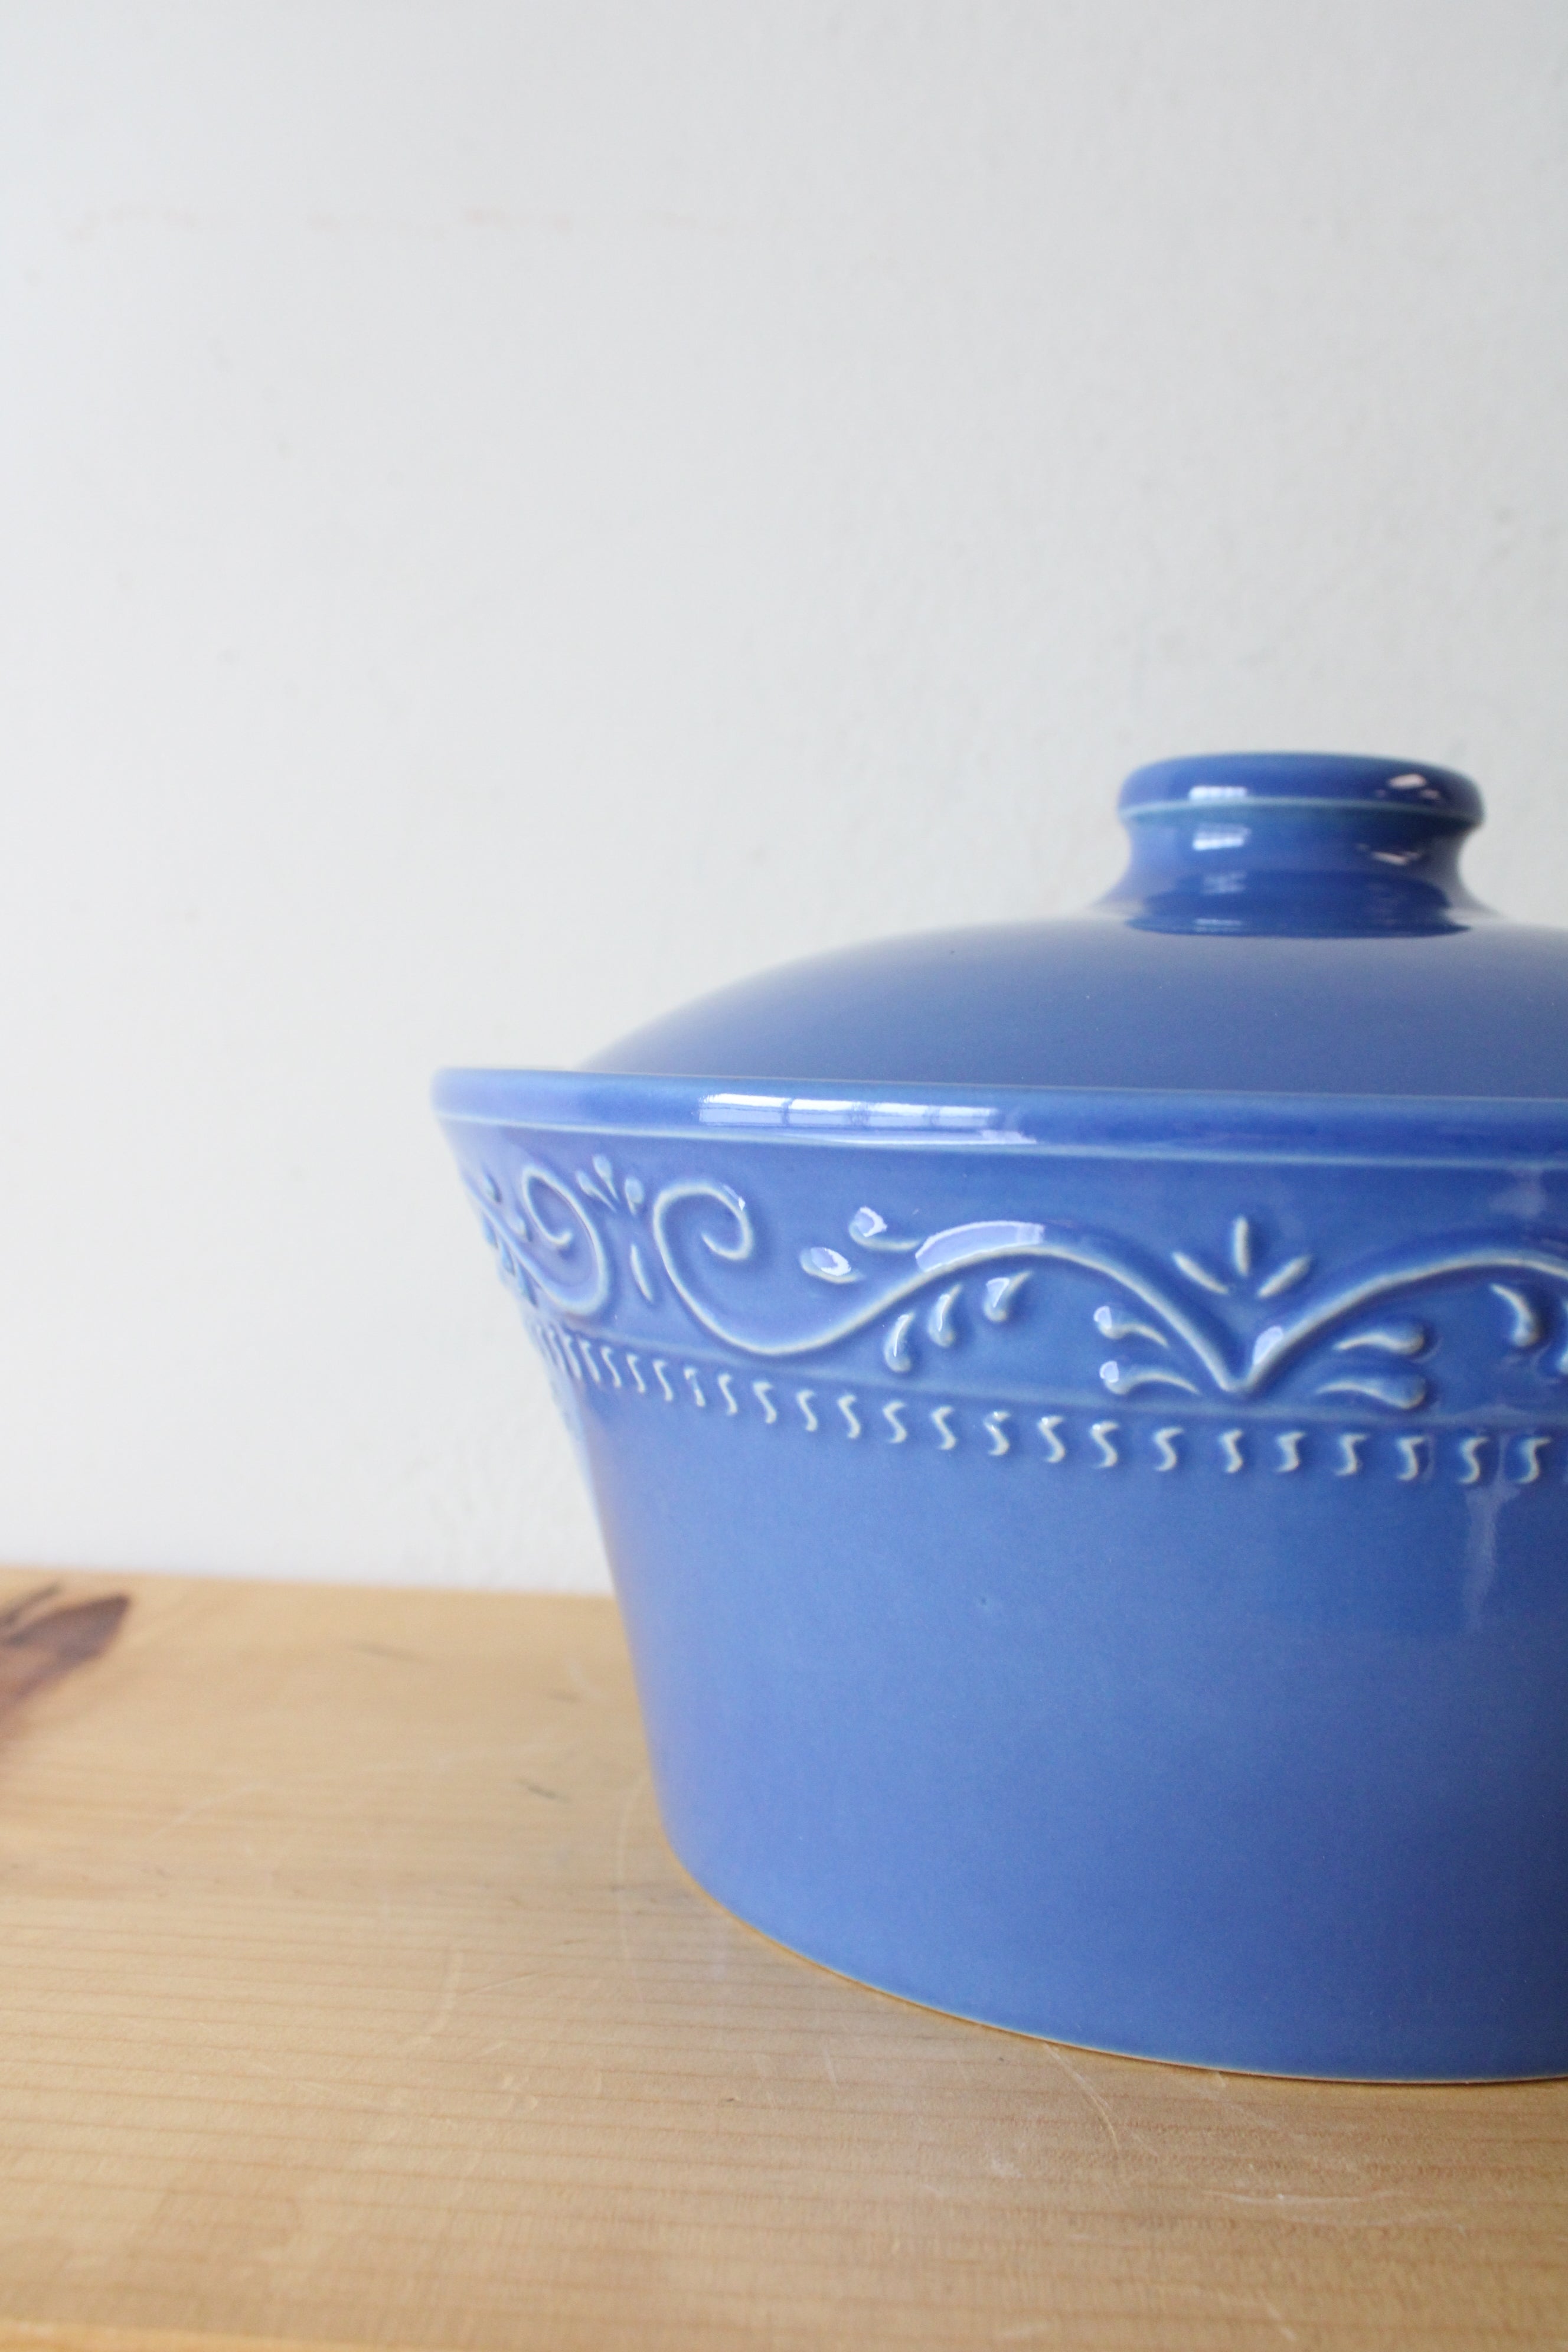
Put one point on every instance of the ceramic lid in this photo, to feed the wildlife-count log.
(1289, 922)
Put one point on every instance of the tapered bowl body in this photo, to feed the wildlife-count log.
(1094, 1561)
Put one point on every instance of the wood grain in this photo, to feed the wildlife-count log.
(352, 1997)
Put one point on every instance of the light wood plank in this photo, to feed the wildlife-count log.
(351, 1996)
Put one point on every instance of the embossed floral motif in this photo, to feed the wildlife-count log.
(917, 1291)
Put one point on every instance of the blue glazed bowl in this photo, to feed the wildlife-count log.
(1078, 1414)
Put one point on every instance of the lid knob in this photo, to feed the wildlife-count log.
(1297, 842)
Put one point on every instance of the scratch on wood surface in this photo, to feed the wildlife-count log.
(1093, 2096)
(441, 2015)
(1240, 2101)
(1245, 2304)
(1290, 2197)
(1400, 2209)
(201, 1805)
(41, 1644)
(1228, 2093)
(584, 1688)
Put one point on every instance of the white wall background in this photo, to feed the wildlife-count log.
(518, 513)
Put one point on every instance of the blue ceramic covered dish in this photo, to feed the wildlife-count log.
(1078, 1414)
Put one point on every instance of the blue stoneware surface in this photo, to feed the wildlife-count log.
(1080, 1419)
(1286, 922)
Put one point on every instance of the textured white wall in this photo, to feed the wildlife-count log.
(518, 513)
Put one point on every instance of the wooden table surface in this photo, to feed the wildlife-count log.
(351, 1996)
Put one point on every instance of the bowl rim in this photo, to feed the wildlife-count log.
(1426, 1130)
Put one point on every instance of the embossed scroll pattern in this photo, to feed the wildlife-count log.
(1505, 1457)
(1474, 1457)
(1173, 1332)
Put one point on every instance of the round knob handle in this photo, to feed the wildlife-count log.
(1298, 843)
